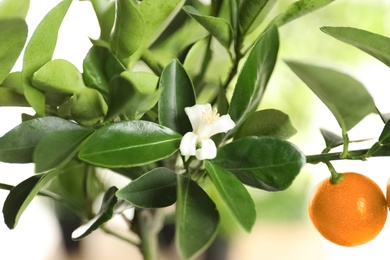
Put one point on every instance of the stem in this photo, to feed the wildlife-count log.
(148, 224)
(336, 177)
(326, 157)
(344, 154)
(125, 239)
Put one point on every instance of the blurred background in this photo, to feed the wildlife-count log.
(283, 229)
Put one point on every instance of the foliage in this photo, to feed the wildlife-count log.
(114, 116)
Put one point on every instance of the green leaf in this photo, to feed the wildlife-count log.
(384, 138)
(14, 82)
(14, 8)
(9, 97)
(88, 107)
(251, 13)
(14, 35)
(262, 162)
(154, 189)
(21, 195)
(17, 145)
(376, 45)
(105, 13)
(59, 76)
(130, 143)
(349, 103)
(270, 122)
(298, 9)
(234, 194)
(254, 76)
(331, 140)
(133, 94)
(218, 27)
(197, 218)
(177, 94)
(39, 51)
(105, 214)
(58, 148)
(99, 67)
(128, 30)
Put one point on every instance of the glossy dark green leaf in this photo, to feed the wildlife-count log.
(197, 218)
(14, 34)
(105, 213)
(128, 30)
(17, 145)
(57, 149)
(216, 26)
(262, 162)
(251, 13)
(234, 194)
(9, 97)
(133, 94)
(270, 122)
(39, 51)
(14, 8)
(22, 194)
(105, 13)
(129, 143)
(177, 93)
(254, 76)
(298, 9)
(154, 189)
(88, 107)
(99, 67)
(349, 103)
(376, 45)
(331, 140)
(58, 76)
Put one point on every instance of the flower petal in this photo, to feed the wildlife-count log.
(208, 150)
(222, 125)
(188, 144)
(195, 114)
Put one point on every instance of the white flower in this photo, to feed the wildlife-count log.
(205, 123)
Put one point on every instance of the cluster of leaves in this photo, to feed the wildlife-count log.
(130, 121)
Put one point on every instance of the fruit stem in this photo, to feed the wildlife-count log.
(336, 177)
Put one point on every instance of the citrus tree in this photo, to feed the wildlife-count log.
(168, 97)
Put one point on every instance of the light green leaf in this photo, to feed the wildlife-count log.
(14, 8)
(88, 107)
(251, 13)
(58, 148)
(133, 94)
(197, 218)
(234, 194)
(345, 97)
(39, 51)
(105, 213)
(298, 9)
(376, 45)
(177, 94)
(9, 97)
(262, 162)
(270, 122)
(14, 82)
(59, 76)
(154, 189)
(17, 145)
(21, 195)
(128, 31)
(218, 27)
(105, 13)
(129, 144)
(13, 33)
(254, 76)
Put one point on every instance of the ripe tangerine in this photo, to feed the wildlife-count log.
(349, 213)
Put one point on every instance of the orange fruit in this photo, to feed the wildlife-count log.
(388, 193)
(349, 213)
